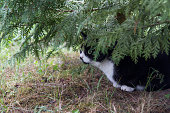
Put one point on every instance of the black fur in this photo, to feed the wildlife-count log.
(153, 73)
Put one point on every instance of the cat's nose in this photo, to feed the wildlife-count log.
(81, 57)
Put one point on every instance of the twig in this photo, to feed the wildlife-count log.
(42, 84)
(11, 108)
(93, 9)
(158, 23)
(147, 26)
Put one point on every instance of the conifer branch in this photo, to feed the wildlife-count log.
(119, 17)
(147, 26)
(93, 9)
(158, 23)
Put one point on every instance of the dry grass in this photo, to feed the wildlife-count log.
(66, 85)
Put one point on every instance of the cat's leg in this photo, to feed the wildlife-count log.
(116, 85)
(127, 88)
(140, 88)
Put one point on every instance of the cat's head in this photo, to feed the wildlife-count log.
(87, 53)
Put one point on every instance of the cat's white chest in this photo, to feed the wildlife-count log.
(107, 67)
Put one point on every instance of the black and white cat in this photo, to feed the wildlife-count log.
(129, 76)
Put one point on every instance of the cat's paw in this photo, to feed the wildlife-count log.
(127, 88)
(116, 85)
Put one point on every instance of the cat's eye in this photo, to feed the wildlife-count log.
(90, 52)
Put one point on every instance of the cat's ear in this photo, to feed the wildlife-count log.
(84, 35)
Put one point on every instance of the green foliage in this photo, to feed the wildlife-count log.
(167, 96)
(140, 27)
(76, 111)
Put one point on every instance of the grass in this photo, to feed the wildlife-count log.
(65, 84)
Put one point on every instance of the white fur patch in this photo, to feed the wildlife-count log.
(116, 85)
(85, 58)
(127, 88)
(108, 69)
(140, 88)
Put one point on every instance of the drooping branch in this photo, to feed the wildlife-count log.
(155, 24)
(147, 26)
(93, 9)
